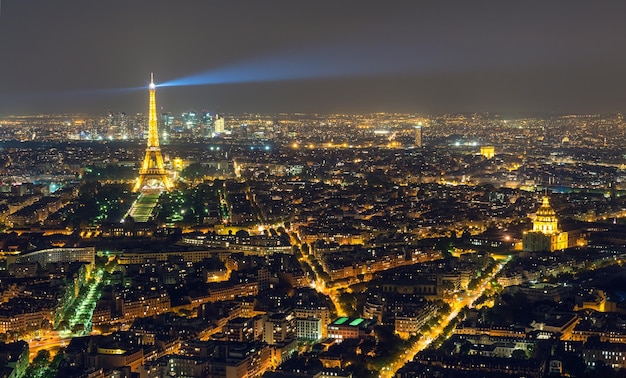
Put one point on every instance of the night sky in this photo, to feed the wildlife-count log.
(313, 56)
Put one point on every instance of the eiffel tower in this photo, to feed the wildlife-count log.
(152, 175)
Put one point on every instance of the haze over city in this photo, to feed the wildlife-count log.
(323, 57)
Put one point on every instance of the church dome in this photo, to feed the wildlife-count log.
(545, 218)
(545, 210)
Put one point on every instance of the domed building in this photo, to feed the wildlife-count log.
(545, 235)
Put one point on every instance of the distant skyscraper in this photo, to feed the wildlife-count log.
(167, 120)
(207, 124)
(166, 123)
(190, 119)
(243, 130)
(152, 174)
(139, 126)
(418, 136)
(218, 124)
(124, 126)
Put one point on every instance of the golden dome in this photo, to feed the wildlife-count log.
(545, 210)
(545, 218)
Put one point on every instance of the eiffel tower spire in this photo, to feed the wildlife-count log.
(152, 174)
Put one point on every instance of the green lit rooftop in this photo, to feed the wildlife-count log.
(350, 322)
(340, 321)
(356, 322)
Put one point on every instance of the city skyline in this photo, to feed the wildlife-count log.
(266, 246)
(351, 57)
(318, 189)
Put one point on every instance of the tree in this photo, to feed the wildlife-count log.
(367, 345)
(13, 335)
(39, 363)
(465, 347)
(473, 284)
(519, 354)
(101, 261)
(196, 171)
(242, 234)
(63, 325)
(444, 307)
(78, 328)
(43, 355)
(574, 364)
(384, 333)
(348, 302)
(297, 252)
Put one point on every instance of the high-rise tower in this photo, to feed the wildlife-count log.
(418, 137)
(152, 174)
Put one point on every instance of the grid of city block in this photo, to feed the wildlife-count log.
(399, 245)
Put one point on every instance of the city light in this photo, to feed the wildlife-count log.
(352, 190)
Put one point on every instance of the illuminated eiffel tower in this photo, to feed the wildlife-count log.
(152, 175)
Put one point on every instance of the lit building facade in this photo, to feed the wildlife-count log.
(279, 327)
(309, 329)
(488, 151)
(55, 255)
(350, 328)
(612, 354)
(218, 124)
(322, 313)
(545, 235)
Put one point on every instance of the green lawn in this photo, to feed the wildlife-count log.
(143, 207)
